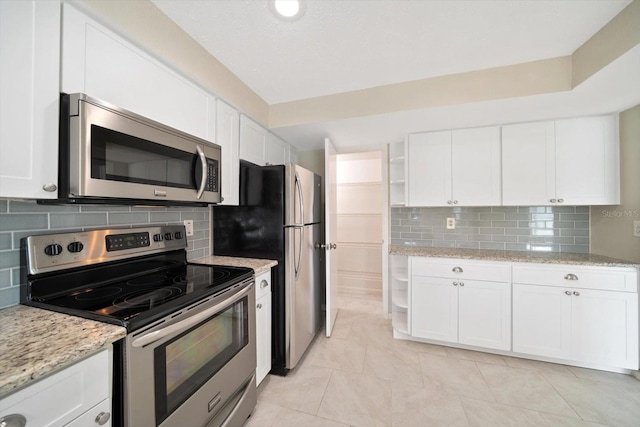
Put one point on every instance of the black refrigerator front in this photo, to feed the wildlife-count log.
(279, 218)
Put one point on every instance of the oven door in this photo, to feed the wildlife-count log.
(195, 367)
(114, 153)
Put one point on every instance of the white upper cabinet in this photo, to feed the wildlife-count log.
(276, 151)
(587, 161)
(103, 65)
(253, 141)
(259, 146)
(293, 155)
(29, 84)
(460, 167)
(571, 162)
(228, 137)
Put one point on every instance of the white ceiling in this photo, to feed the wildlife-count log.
(347, 45)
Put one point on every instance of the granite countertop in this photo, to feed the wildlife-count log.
(259, 266)
(512, 256)
(36, 342)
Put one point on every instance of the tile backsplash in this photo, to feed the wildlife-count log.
(544, 229)
(20, 218)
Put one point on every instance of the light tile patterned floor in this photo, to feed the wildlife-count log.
(363, 377)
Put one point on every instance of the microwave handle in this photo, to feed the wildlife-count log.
(183, 325)
(205, 172)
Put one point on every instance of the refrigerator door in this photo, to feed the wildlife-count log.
(303, 190)
(302, 314)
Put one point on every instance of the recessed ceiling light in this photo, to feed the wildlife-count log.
(287, 10)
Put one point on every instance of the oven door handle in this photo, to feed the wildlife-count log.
(154, 336)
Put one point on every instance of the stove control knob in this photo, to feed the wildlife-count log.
(53, 249)
(168, 236)
(75, 247)
(178, 235)
(157, 238)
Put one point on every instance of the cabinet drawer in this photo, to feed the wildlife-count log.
(263, 284)
(60, 398)
(461, 269)
(586, 277)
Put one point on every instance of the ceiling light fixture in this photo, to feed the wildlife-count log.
(287, 10)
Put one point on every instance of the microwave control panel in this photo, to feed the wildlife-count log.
(212, 172)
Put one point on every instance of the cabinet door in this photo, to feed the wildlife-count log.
(227, 136)
(475, 157)
(29, 84)
(485, 314)
(542, 321)
(429, 162)
(605, 327)
(434, 308)
(263, 326)
(528, 164)
(253, 141)
(276, 152)
(587, 164)
(103, 65)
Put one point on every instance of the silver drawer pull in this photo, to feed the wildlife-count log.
(457, 270)
(571, 277)
(13, 420)
(264, 284)
(455, 283)
(576, 293)
(102, 418)
(259, 306)
(568, 292)
(461, 283)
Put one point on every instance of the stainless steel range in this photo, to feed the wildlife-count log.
(189, 355)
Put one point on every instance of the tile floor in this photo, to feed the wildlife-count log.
(361, 376)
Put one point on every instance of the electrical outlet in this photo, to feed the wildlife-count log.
(451, 223)
(636, 228)
(188, 226)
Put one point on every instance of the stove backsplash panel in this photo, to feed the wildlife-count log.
(20, 218)
(522, 228)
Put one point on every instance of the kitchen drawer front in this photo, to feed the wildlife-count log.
(585, 277)
(64, 396)
(461, 269)
(263, 284)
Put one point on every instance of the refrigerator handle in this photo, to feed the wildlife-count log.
(299, 263)
(300, 199)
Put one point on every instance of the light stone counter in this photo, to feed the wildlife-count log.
(259, 266)
(36, 342)
(512, 256)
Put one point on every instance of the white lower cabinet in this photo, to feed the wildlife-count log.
(586, 325)
(76, 396)
(263, 326)
(461, 301)
(573, 314)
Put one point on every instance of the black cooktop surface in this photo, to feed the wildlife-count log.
(140, 299)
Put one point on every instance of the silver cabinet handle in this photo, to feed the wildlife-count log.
(570, 277)
(568, 292)
(455, 202)
(552, 200)
(13, 420)
(461, 283)
(205, 172)
(264, 284)
(259, 306)
(576, 293)
(333, 246)
(455, 283)
(103, 417)
(50, 187)
(449, 202)
(560, 200)
(457, 269)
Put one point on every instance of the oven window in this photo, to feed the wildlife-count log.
(116, 156)
(185, 363)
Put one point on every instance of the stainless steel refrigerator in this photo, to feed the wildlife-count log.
(279, 218)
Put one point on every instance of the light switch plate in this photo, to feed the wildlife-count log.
(451, 223)
(636, 228)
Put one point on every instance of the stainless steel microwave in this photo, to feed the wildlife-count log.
(110, 155)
